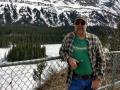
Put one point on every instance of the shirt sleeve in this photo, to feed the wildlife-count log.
(100, 60)
(64, 51)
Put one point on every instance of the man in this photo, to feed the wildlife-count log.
(84, 54)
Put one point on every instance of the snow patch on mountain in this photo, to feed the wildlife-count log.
(59, 12)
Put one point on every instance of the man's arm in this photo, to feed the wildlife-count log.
(63, 52)
(66, 47)
(100, 57)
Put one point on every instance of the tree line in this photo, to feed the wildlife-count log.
(31, 34)
(26, 51)
(10, 35)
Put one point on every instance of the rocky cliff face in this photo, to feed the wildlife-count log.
(59, 12)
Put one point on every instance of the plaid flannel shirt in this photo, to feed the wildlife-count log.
(95, 51)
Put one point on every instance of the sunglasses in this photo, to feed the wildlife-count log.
(82, 23)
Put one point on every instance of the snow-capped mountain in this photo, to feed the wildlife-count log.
(59, 12)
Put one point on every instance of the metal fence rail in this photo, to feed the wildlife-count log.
(19, 75)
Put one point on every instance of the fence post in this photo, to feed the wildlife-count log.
(114, 69)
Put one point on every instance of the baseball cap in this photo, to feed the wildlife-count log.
(83, 17)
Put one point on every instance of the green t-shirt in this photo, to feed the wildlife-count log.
(80, 53)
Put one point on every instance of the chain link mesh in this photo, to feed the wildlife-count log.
(19, 75)
(111, 80)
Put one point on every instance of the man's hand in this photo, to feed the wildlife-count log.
(72, 62)
(95, 83)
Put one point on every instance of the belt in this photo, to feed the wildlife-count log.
(83, 77)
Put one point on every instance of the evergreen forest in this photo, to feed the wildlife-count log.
(12, 35)
(26, 40)
(26, 51)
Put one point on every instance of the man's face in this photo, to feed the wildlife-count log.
(80, 26)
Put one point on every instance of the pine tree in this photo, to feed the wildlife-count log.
(37, 73)
(115, 40)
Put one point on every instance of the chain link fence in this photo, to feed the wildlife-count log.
(19, 75)
(111, 80)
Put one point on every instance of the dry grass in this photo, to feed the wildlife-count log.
(57, 81)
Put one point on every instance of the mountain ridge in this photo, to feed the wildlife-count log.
(59, 13)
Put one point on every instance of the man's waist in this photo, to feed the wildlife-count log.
(83, 77)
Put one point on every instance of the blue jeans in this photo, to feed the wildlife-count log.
(79, 84)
